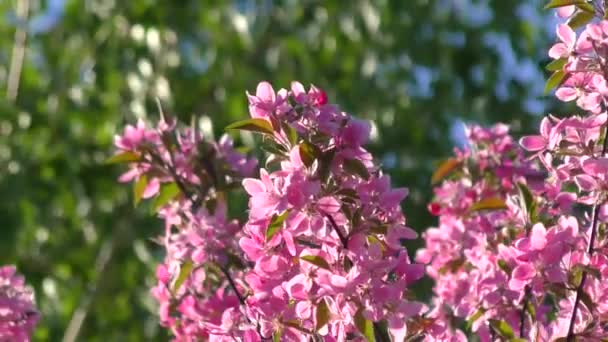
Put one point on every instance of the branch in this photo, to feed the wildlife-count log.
(80, 314)
(14, 73)
(590, 249)
(343, 239)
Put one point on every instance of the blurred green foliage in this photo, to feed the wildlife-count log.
(416, 68)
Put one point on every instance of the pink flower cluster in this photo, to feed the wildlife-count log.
(322, 254)
(188, 177)
(18, 313)
(531, 263)
(478, 217)
(325, 232)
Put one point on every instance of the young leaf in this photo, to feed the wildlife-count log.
(168, 191)
(275, 224)
(503, 266)
(587, 7)
(253, 125)
(562, 3)
(503, 328)
(124, 157)
(322, 315)
(580, 18)
(308, 153)
(528, 201)
(444, 169)
(492, 203)
(356, 167)
(139, 188)
(556, 64)
(184, 272)
(555, 80)
(365, 326)
(291, 133)
(475, 317)
(316, 260)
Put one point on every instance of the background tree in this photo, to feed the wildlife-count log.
(73, 72)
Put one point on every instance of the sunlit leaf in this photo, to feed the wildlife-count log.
(168, 192)
(556, 64)
(555, 80)
(356, 167)
(491, 203)
(503, 328)
(580, 18)
(184, 273)
(444, 169)
(322, 315)
(365, 326)
(308, 153)
(139, 188)
(562, 3)
(316, 260)
(275, 224)
(252, 125)
(124, 157)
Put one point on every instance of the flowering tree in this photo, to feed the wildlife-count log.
(519, 253)
(322, 252)
(519, 259)
(18, 314)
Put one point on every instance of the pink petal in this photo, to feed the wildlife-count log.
(265, 92)
(566, 35)
(558, 51)
(538, 239)
(253, 186)
(152, 188)
(566, 94)
(533, 143)
(585, 182)
(565, 11)
(595, 167)
(524, 272)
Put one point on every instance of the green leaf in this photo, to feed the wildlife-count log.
(276, 336)
(475, 317)
(253, 125)
(184, 272)
(316, 260)
(124, 157)
(308, 153)
(528, 202)
(365, 326)
(444, 169)
(138, 189)
(325, 164)
(272, 147)
(562, 3)
(291, 133)
(530, 309)
(518, 339)
(356, 167)
(322, 315)
(587, 7)
(491, 203)
(580, 18)
(555, 80)
(556, 64)
(503, 328)
(168, 191)
(275, 224)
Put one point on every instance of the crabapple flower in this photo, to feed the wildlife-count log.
(18, 313)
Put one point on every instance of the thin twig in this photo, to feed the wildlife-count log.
(590, 249)
(80, 314)
(18, 54)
